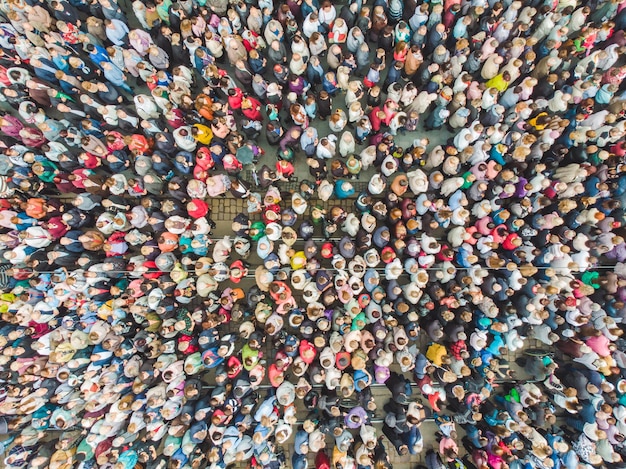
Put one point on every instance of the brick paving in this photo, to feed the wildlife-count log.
(225, 209)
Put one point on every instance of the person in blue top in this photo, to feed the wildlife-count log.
(343, 189)
(115, 76)
(97, 54)
(45, 69)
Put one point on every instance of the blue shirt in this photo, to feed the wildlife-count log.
(99, 55)
(115, 76)
(117, 32)
(25, 222)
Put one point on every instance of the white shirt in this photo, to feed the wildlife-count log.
(309, 27)
(327, 16)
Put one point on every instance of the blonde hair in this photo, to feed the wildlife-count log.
(185, 28)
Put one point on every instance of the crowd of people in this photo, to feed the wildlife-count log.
(131, 336)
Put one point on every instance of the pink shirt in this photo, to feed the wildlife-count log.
(600, 345)
(448, 443)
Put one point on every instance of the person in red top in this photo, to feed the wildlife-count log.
(512, 242)
(197, 208)
(458, 350)
(175, 118)
(251, 108)
(619, 149)
(238, 270)
(56, 227)
(235, 97)
(89, 160)
(376, 116)
(446, 254)
(139, 144)
(284, 169)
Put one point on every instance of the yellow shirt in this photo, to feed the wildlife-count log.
(298, 261)
(204, 135)
(534, 121)
(498, 83)
(435, 354)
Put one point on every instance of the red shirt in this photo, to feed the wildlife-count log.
(456, 348)
(508, 242)
(254, 111)
(153, 271)
(234, 102)
(56, 227)
(550, 191)
(139, 144)
(178, 119)
(91, 161)
(200, 210)
(441, 256)
(374, 119)
(619, 149)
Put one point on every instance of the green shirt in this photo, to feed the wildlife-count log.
(49, 171)
(467, 180)
(163, 10)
